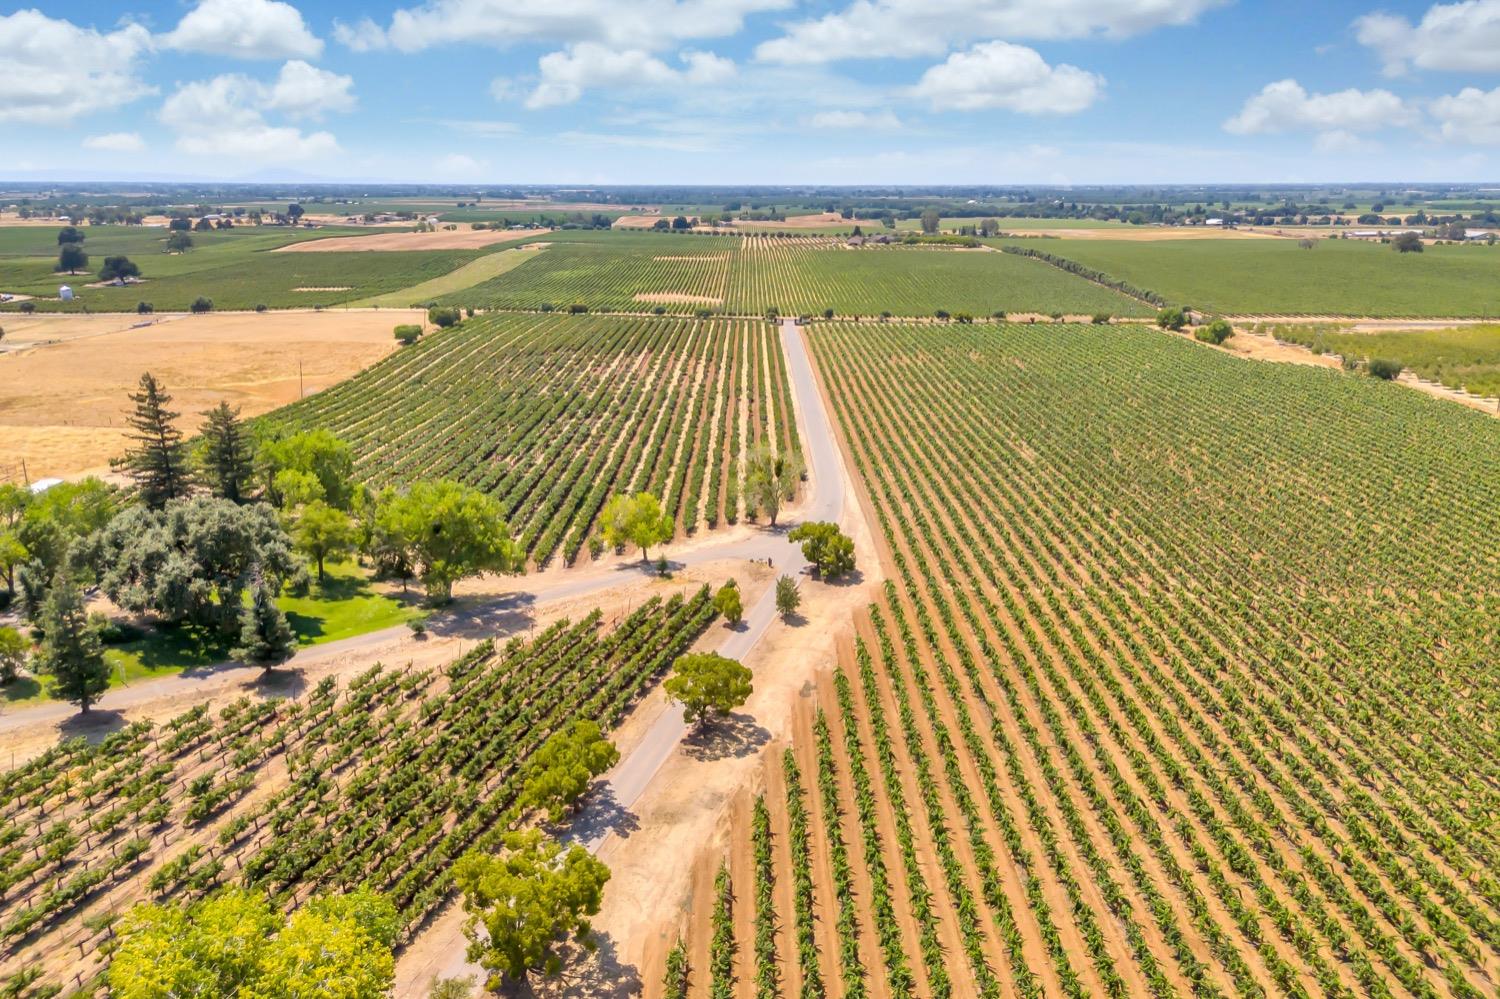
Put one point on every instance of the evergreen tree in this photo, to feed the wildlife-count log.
(226, 458)
(265, 637)
(71, 652)
(156, 463)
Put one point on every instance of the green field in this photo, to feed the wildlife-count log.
(1466, 357)
(1277, 277)
(464, 276)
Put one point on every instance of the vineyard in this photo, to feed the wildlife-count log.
(385, 781)
(1163, 697)
(554, 414)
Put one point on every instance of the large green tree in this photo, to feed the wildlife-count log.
(829, 550)
(226, 462)
(708, 685)
(316, 454)
(527, 901)
(635, 520)
(71, 654)
(771, 479)
(447, 532)
(13, 651)
(321, 532)
(155, 461)
(71, 258)
(233, 945)
(559, 773)
(727, 602)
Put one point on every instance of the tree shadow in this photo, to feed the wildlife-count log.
(23, 688)
(94, 725)
(281, 681)
(793, 620)
(852, 578)
(734, 735)
(505, 616)
(603, 814)
(599, 974)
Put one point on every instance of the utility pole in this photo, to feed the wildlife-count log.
(301, 391)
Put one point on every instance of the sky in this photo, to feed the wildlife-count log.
(753, 91)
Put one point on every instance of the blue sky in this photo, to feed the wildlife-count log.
(754, 91)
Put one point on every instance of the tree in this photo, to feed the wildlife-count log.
(72, 258)
(1171, 319)
(322, 532)
(294, 212)
(71, 652)
(527, 901)
(681, 222)
(156, 462)
(13, 650)
(69, 234)
(201, 305)
(179, 223)
(788, 599)
(319, 456)
(266, 639)
(118, 267)
(728, 603)
(830, 551)
(408, 333)
(233, 944)
(930, 221)
(1384, 368)
(771, 479)
(1408, 242)
(559, 773)
(1307, 244)
(443, 318)
(706, 685)
(191, 561)
(447, 532)
(179, 242)
(1215, 332)
(636, 520)
(225, 463)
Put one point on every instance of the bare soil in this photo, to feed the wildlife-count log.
(462, 238)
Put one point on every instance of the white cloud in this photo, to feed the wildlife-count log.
(1471, 116)
(226, 116)
(907, 28)
(874, 120)
(1285, 106)
(487, 129)
(503, 88)
(1461, 37)
(53, 71)
(1013, 77)
(641, 24)
(567, 74)
(115, 142)
(245, 29)
(1341, 140)
(457, 166)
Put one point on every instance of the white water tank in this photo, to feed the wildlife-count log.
(65, 293)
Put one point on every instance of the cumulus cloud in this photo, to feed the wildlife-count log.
(1471, 116)
(1012, 77)
(642, 24)
(115, 142)
(53, 71)
(245, 29)
(566, 75)
(226, 115)
(906, 28)
(1462, 36)
(876, 120)
(1285, 106)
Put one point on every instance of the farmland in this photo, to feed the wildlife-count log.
(1158, 700)
(554, 414)
(1277, 277)
(384, 780)
(1464, 357)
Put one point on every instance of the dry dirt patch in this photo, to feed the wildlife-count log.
(331, 287)
(388, 242)
(63, 393)
(674, 298)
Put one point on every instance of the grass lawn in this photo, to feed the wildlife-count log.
(1277, 277)
(346, 604)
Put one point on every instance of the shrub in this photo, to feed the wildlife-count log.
(201, 305)
(1408, 242)
(827, 313)
(28, 307)
(1171, 319)
(260, 307)
(442, 318)
(408, 333)
(577, 308)
(660, 310)
(940, 314)
(1101, 318)
(144, 308)
(1384, 368)
(548, 306)
(1215, 332)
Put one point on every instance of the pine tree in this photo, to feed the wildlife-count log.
(71, 652)
(156, 463)
(265, 637)
(226, 458)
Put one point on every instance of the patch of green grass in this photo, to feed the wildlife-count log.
(1339, 277)
(466, 276)
(344, 605)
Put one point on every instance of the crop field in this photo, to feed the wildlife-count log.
(1465, 357)
(554, 414)
(1277, 277)
(1160, 699)
(384, 781)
